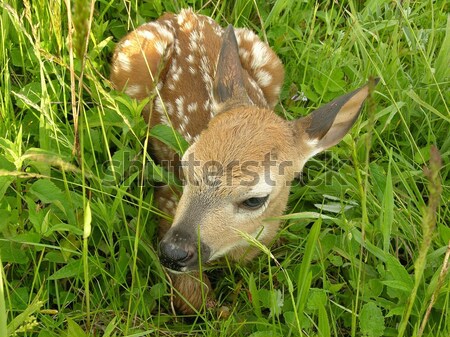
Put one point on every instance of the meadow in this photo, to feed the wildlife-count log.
(365, 243)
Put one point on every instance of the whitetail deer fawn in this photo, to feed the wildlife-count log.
(217, 88)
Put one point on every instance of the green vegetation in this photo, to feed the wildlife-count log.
(77, 225)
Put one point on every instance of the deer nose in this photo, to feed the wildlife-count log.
(177, 256)
(180, 250)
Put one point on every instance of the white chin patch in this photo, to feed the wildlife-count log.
(259, 234)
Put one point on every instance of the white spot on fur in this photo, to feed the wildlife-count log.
(124, 62)
(175, 71)
(189, 137)
(176, 74)
(166, 34)
(177, 48)
(206, 71)
(165, 110)
(190, 58)
(245, 35)
(160, 46)
(216, 28)
(127, 43)
(134, 89)
(187, 26)
(264, 78)
(261, 55)
(179, 102)
(145, 34)
(184, 121)
(170, 205)
(245, 54)
(192, 107)
(184, 15)
(194, 39)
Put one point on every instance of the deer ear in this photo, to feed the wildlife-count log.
(229, 89)
(327, 125)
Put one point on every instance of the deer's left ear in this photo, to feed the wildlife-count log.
(327, 125)
(229, 88)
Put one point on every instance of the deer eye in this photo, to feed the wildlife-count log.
(254, 203)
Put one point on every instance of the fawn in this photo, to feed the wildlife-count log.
(217, 87)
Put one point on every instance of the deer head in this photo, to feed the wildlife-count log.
(239, 171)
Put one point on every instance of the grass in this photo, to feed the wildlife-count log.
(77, 228)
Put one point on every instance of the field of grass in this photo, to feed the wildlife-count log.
(77, 225)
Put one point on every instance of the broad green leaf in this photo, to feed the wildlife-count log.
(12, 252)
(122, 164)
(156, 173)
(170, 137)
(397, 285)
(55, 256)
(394, 269)
(158, 290)
(276, 302)
(316, 299)
(371, 320)
(62, 227)
(74, 330)
(5, 178)
(73, 268)
(254, 295)
(324, 324)
(19, 298)
(47, 191)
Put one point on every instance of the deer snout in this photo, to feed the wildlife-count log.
(179, 251)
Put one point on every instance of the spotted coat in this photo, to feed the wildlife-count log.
(173, 59)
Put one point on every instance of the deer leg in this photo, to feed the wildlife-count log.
(192, 292)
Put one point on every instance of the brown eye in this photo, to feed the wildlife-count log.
(254, 203)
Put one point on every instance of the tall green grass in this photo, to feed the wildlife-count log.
(365, 244)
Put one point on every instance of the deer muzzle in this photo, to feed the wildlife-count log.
(182, 251)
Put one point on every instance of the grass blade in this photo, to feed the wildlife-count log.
(304, 276)
(3, 316)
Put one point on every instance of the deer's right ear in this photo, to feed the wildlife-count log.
(327, 125)
(229, 88)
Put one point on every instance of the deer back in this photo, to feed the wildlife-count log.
(174, 60)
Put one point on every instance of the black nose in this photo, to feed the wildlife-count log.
(180, 250)
(177, 256)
